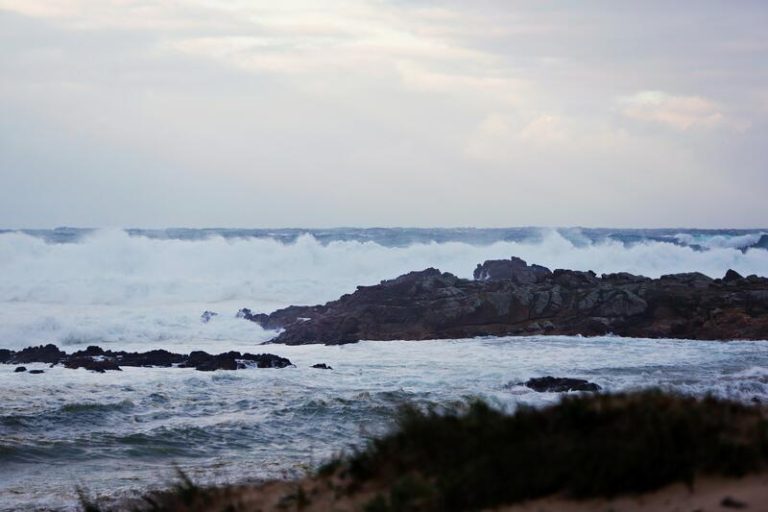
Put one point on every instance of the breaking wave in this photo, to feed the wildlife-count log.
(116, 285)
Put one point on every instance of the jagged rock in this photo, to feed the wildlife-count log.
(151, 358)
(430, 305)
(560, 385)
(694, 279)
(41, 354)
(574, 278)
(205, 362)
(99, 360)
(322, 366)
(90, 351)
(624, 278)
(513, 269)
(732, 275)
(98, 364)
(267, 360)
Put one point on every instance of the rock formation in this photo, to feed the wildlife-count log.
(99, 360)
(560, 385)
(509, 297)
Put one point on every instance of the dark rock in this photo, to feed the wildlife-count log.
(99, 360)
(513, 269)
(729, 502)
(36, 372)
(207, 315)
(691, 279)
(91, 351)
(560, 385)
(281, 317)
(322, 366)
(624, 278)
(732, 275)
(41, 354)
(251, 316)
(205, 362)
(433, 305)
(98, 364)
(19, 369)
(574, 278)
(6, 355)
(267, 360)
(151, 358)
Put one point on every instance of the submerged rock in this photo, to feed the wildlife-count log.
(560, 384)
(20, 369)
(36, 372)
(512, 298)
(322, 366)
(207, 316)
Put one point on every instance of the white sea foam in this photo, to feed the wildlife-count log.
(110, 286)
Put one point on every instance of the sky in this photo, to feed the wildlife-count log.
(319, 113)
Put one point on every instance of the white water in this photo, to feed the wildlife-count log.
(110, 287)
(121, 432)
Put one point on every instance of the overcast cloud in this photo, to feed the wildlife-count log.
(391, 113)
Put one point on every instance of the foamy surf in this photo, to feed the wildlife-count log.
(151, 287)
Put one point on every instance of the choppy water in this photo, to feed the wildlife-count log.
(138, 290)
(122, 431)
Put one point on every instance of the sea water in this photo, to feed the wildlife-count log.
(119, 433)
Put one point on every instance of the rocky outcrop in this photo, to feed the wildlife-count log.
(203, 361)
(512, 298)
(99, 360)
(560, 385)
(42, 354)
(513, 269)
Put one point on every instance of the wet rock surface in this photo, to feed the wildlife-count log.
(512, 298)
(99, 360)
(560, 384)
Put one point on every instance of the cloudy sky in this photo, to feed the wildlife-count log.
(388, 113)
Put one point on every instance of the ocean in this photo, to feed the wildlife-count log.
(120, 433)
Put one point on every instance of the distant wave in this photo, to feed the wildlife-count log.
(111, 285)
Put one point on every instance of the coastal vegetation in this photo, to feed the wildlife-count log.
(475, 457)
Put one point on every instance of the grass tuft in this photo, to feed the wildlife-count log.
(585, 446)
